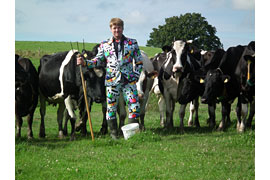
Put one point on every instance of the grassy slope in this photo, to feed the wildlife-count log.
(153, 154)
(36, 49)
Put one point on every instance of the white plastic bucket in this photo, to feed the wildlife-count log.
(130, 129)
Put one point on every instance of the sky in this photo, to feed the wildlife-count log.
(69, 20)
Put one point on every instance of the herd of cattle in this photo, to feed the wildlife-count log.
(181, 73)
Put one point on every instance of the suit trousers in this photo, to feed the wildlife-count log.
(131, 98)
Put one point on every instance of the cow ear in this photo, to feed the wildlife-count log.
(189, 41)
(226, 78)
(98, 72)
(199, 78)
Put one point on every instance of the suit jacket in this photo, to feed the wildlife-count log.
(129, 65)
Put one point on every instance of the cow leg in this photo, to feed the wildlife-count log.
(67, 117)
(69, 104)
(182, 115)
(212, 115)
(104, 126)
(42, 111)
(191, 112)
(224, 116)
(244, 113)
(81, 126)
(196, 109)
(238, 114)
(194, 106)
(162, 110)
(139, 85)
(30, 122)
(83, 122)
(72, 134)
(251, 114)
(144, 101)
(142, 113)
(169, 111)
(60, 113)
(19, 122)
(171, 119)
(228, 117)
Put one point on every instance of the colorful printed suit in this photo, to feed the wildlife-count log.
(123, 62)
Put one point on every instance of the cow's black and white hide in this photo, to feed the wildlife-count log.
(60, 83)
(26, 93)
(178, 63)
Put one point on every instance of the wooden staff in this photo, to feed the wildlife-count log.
(86, 102)
(85, 97)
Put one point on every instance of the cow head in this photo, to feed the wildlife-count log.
(206, 57)
(214, 85)
(210, 59)
(95, 79)
(178, 53)
(190, 88)
(90, 54)
(177, 58)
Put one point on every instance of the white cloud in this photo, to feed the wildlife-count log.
(243, 4)
(217, 3)
(135, 17)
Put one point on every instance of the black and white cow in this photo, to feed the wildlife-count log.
(26, 93)
(177, 64)
(221, 84)
(60, 83)
(245, 73)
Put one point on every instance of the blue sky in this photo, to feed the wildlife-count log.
(67, 20)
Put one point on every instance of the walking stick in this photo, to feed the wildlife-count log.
(86, 102)
(85, 97)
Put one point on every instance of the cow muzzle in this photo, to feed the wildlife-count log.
(177, 69)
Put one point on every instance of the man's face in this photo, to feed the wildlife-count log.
(117, 31)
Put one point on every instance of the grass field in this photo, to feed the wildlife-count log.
(154, 154)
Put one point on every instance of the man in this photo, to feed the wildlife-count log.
(122, 59)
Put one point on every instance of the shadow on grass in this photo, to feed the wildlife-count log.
(176, 130)
(51, 141)
(194, 130)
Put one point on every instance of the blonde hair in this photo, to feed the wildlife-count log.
(117, 22)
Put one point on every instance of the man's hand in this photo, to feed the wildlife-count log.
(80, 61)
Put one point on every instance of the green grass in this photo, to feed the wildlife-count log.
(153, 154)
